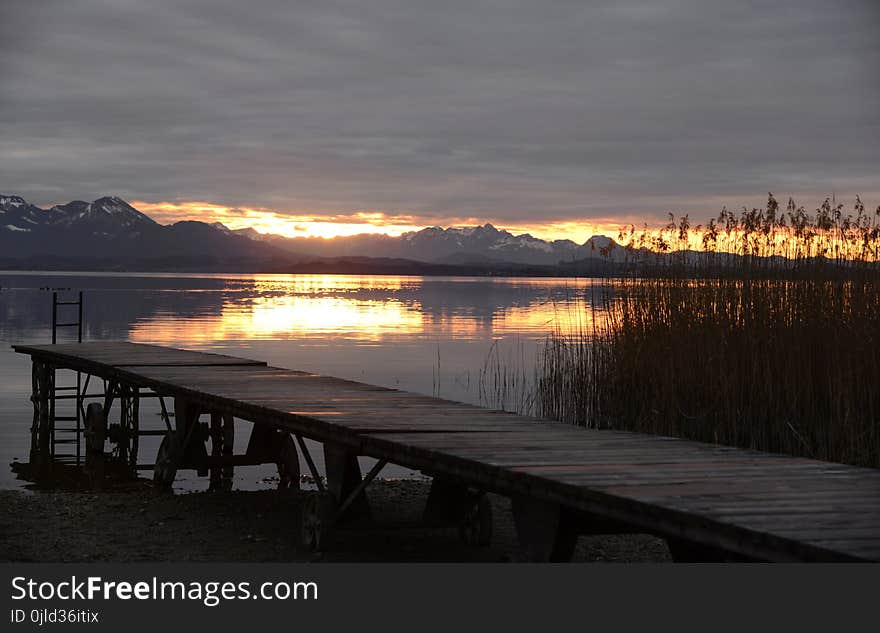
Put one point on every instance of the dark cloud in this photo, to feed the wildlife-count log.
(519, 111)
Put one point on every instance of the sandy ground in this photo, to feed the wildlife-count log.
(140, 525)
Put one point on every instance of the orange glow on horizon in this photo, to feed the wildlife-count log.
(269, 221)
(625, 230)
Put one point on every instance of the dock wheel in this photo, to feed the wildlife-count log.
(318, 517)
(165, 469)
(288, 465)
(475, 527)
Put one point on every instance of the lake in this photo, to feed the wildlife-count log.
(431, 335)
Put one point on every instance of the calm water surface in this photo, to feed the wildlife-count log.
(431, 335)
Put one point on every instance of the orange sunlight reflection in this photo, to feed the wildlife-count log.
(284, 317)
(291, 305)
(312, 284)
(323, 307)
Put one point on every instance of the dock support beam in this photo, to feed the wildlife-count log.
(222, 434)
(216, 434)
(343, 478)
(452, 502)
(42, 378)
(547, 531)
(129, 421)
(268, 444)
(95, 435)
(447, 501)
(184, 444)
(228, 446)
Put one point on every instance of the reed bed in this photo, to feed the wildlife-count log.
(506, 382)
(768, 337)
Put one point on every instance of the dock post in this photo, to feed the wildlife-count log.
(268, 444)
(216, 434)
(288, 463)
(343, 477)
(42, 376)
(222, 434)
(182, 447)
(129, 405)
(191, 435)
(228, 433)
(95, 435)
(546, 531)
(453, 502)
(446, 502)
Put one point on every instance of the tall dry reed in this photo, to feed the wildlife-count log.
(766, 338)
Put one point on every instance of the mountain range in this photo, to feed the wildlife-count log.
(110, 233)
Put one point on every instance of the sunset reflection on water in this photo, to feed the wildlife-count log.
(429, 335)
(283, 317)
(371, 309)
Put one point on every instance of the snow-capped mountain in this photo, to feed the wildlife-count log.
(247, 232)
(456, 245)
(17, 215)
(109, 216)
(484, 241)
(110, 227)
(469, 246)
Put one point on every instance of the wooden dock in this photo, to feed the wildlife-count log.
(709, 502)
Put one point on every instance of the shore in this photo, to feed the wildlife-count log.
(138, 524)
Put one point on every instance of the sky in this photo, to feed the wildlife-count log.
(338, 117)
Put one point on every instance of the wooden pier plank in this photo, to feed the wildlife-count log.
(131, 355)
(341, 403)
(759, 504)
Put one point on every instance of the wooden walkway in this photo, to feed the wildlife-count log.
(709, 502)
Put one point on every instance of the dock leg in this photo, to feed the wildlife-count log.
(178, 448)
(288, 463)
(216, 450)
(129, 403)
(453, 503)
(193, 436)
(95, 435)
(228, 446)
(123, 440)
(446, 502)
(547, 532)
(267, 444)
(41, 378)
(343, 477)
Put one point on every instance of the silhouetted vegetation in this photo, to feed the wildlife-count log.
(765, 336)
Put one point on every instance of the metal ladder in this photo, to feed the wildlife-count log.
(66, 437)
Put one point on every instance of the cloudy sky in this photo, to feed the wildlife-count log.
(331, 116)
